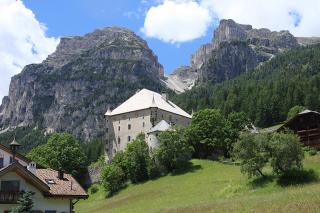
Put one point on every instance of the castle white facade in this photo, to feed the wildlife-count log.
(139, 114)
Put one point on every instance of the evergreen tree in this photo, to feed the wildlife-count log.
(25, 203)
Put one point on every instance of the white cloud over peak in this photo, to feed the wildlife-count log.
(177, 21)
(184, 20)
(23, 41)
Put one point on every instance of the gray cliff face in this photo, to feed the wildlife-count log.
(181, 79)
(235, 48)
(71, 90)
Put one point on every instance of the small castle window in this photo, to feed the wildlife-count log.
(129, 126)
(129, 138)
(107, 130)
(118, 128)
(119, 140)
(143, 124)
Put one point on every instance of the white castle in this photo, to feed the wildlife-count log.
(145, 112)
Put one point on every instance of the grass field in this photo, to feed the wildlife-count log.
(209, 187)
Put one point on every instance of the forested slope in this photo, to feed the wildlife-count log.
(267, 92)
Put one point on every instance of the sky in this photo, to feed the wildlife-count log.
(174, 29)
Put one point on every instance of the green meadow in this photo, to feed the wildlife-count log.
(209, 186)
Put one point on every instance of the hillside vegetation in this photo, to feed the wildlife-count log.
(209, 186)
(266, 93)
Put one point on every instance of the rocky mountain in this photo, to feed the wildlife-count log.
(71, 89)
(235, 48)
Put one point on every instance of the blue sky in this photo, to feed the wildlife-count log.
(77, 17)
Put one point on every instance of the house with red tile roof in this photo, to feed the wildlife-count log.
(53, 191)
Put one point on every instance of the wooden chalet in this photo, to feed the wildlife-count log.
(306, 124)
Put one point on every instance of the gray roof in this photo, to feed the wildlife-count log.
(160, 127)
(146, 99)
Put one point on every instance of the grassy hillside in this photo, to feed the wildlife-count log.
(209, 187)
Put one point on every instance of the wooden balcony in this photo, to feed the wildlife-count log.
(310, 137)
(9, 197)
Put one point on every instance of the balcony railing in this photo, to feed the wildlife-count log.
(9, 197)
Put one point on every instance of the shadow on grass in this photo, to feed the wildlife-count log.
(261, 181)
(188, 167)
(297, 177)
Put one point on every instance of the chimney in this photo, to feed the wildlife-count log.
(32, 167)
(60, 175)
(164, 96)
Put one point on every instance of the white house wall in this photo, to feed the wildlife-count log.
(41, 203)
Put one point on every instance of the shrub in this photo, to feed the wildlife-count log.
(137, 160)
(250, 150)
(174, 150)
(112, 179)
(25, 203)
(286, 152)
(94, 189)
(297, 176)
(120, 160)
(313, 151)
(154, 169)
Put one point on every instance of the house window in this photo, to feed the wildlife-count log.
(50, 181)
(1, 163)
(129, 138)
(118, 140)
(143, 124)
(10, 186)
(118, 128)
(129, 126)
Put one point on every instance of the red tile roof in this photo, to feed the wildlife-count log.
(67, 187)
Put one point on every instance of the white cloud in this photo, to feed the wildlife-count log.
(23, 41)
(185, 20)
(272, 14)
(177, 21)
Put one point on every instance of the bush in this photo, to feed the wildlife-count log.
(313, 151)
(25, 203)
(294, 111)
(250, 149)
(137, 159)
(154, 169)
(297, 176)
(120, 160)
(286, 152)
(112, 179)
(174, 150)
(94, 189)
